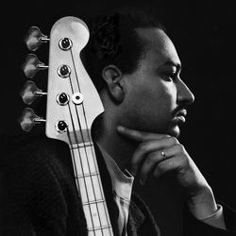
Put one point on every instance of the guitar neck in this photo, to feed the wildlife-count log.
(90, 190)
(73, 103)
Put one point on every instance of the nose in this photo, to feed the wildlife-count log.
(184, 94)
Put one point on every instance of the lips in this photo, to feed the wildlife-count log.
(182, 112)
(180, 116)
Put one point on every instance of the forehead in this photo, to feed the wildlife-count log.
(158, 45)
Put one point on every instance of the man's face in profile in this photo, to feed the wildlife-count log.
(156, 96)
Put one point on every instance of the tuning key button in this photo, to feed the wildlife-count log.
(65, 44)
(29, 119)
(32, 65)
(63, 99)
(61, 126)
(64, 71)
(35, 38)
(31, 92)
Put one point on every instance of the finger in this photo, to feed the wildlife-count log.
(149, 164)
(147, 147)
(138, 135)
(176, 160)
(154, 158)
(176, 149)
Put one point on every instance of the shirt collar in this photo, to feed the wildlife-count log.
(121, 181)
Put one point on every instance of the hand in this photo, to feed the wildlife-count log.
(158, 154)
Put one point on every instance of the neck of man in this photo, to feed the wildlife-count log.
(117, 146)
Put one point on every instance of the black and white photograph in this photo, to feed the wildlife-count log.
(117, 118)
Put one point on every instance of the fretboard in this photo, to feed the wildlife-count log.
(89, 185)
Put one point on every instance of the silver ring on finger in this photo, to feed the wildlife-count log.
(163, 154)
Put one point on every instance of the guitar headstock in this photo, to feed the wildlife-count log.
(72, 99)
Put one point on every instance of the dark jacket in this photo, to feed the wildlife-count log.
(39, 196)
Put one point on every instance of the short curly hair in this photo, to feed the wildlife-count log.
(113, 40)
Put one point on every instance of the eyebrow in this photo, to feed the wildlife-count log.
(171, 63)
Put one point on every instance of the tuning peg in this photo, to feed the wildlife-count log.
(31, 92)
(29, 119)
(34, 38)
(32, 65)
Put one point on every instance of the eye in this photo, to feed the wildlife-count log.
(171, 76)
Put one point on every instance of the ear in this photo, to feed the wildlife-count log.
(114, 80)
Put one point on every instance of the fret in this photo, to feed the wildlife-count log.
(98, 187)
(93, 202)
(97, 218)
(98, 215)
(82, 145)
(98, 210)
(85, 158)
(101, 206)
(101, 232)
(95, 181)
(100, 228)
(90, 190)
(87, 175)
(89, 186)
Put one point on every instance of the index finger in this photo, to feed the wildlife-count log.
(138, 135)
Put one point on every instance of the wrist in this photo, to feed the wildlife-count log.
(202, 204)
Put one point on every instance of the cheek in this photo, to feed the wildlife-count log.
(151, 107)
(159, 96)
(168, 96)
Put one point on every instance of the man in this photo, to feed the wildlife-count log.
(137, 74)
(136, 70)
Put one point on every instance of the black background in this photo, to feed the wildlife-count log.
(203, 33)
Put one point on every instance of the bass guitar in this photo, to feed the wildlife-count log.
(72, 105)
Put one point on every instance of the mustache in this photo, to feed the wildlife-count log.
(180, 111)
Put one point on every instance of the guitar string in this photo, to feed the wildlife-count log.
(89, 137)
(78, 84)
(86, 154)
(77, 180)
(76, 141)
(73, 157)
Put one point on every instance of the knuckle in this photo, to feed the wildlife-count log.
(174, 140)
(180, 147)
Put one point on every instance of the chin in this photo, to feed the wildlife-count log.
(175, 132)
